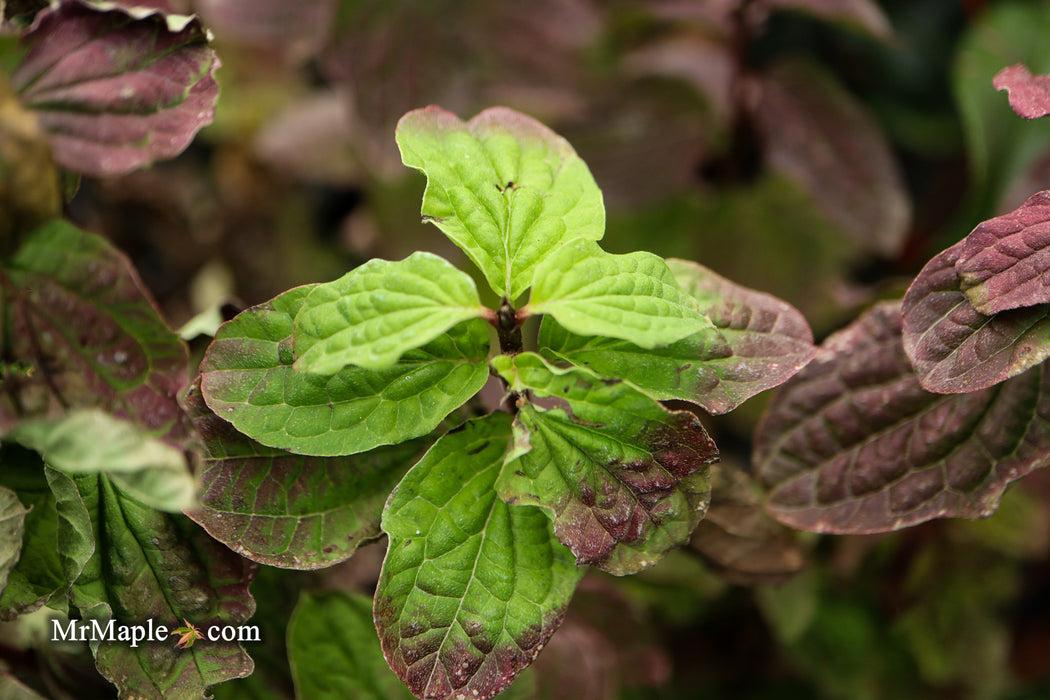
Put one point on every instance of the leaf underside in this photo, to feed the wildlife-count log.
(503, 187)
(247, 378)
(624, 479)
(956, 349)
(854, 444)
(471, 588)
(288, 510)
(1029, 94)
(115, 92)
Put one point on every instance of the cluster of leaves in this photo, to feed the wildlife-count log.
(489, 529)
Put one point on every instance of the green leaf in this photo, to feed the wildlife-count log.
(12, 528)
(633, 297)
(288, 510)
(375, 313)
(624, 478)
(334, 651)
(81, 330)
(90, 441)
(248, 379)
(503, 187)
(37, 578)
(148, 565)
(471, 588)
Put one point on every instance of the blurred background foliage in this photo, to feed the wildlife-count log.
(819, 150)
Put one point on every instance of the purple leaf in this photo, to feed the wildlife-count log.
(955, 348)
(739, 539)
(84, 333)
(821, 138)
(117, 91)
(1029, 94)
(853, 443)
(1005, 262)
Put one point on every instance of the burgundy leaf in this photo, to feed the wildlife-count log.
(853, 444)
(820, 137)
(1005, 262)
(83, 332)
(739, 539)
(117, 90)
(1029, 94)
(954, 347)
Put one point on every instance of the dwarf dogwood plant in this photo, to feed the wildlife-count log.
(492, 525)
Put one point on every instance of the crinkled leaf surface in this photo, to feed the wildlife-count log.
(82, 331)
(37, 578)
(757, 343)
(633, 297)
(334, 651)
(854, 444)
(90, 441)
(1029, 94)
(471, 588)
(378, 311)
(1005, 262)
(503, 187)
(248, 379)
(954, 347)
(12, 528)
(624, 478)
(289, 510)
(114, 91)
(145, 564)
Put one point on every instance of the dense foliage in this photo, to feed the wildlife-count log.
(392, 463)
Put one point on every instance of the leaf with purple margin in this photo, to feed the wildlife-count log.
(955, 348)
(471, 588)
(248, 379)
(147, 565)
(624, 479)
(1029, 94)
(117, 89)
(758, 342)
(503, 187)
(1005, 262)
(82, 331)
(288, 510)
(853, 443)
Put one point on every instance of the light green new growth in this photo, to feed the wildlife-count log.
(633, 297)
(374, 314)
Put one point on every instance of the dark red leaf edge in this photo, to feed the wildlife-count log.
(116, 89)
(1005, 262)
(853, 443)
(955, 348)
(1029, 94)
